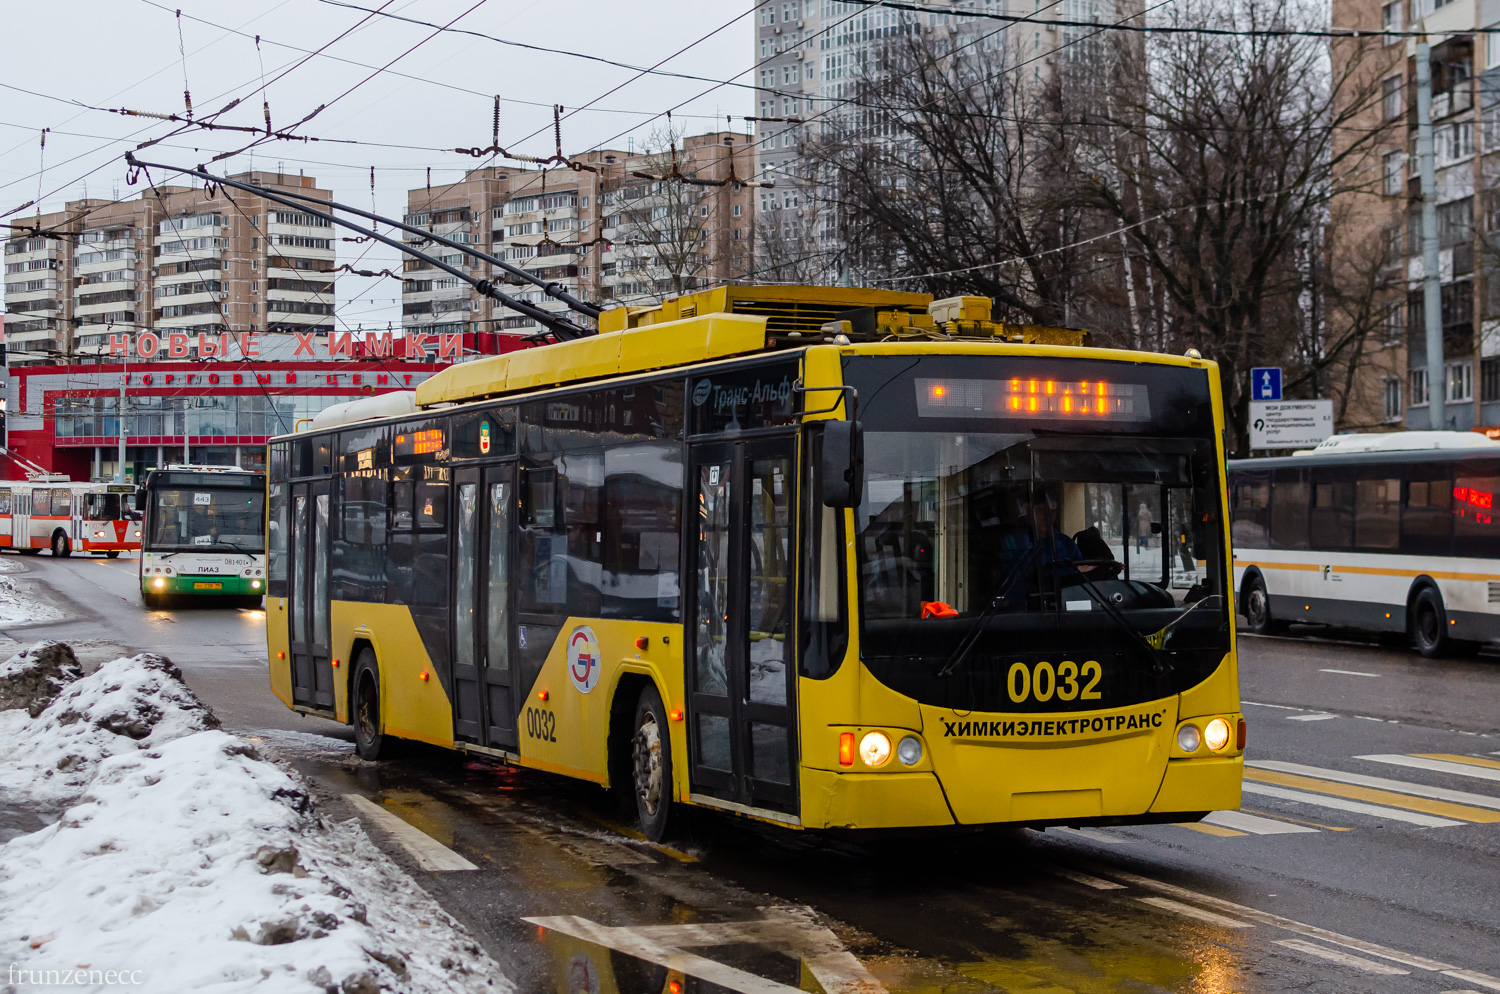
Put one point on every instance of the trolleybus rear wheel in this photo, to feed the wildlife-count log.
(61, 547)
(1429, 624)
(651, 764)
(369, 739)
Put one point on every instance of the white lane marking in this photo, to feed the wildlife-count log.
(1343, 959)
(1470, 977)
(788, 929)
(1382, 783)
(1093, 835)
(1279, 707)
(1437, 766)
(430, 854)
(1310, 717)
(1349, 672)
(1188, 911)
(1291, 925)
(1255, 824)
(1098, 883)
(1356, 807)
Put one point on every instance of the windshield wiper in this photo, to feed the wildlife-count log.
(971, 638)
(1151, 644)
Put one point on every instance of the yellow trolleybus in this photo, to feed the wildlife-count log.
(826, 557)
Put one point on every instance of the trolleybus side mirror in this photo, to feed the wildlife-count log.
(140, 500)
(843, 463)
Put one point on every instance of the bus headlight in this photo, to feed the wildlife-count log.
(875, 749)
(254, 584)
(909, 751)
(1216, 734)
(158, 583)
(1188, 738)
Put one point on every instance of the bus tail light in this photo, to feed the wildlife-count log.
(1239, 735)
(846, 748)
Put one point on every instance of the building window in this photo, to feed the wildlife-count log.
(1392, 399)
(254, 308)
(254, 244)
(1394, 324)
(737, 210)
(1392, 94)
(254, 286)
(1394, 181)
(254, 265)
(1460, 381)
(1418, 388)
(1390, 16)
(1454, 142)
(1489, 379)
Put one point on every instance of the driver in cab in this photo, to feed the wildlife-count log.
(1030, 551)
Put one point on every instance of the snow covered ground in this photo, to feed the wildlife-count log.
(20, 602)
(178, 859)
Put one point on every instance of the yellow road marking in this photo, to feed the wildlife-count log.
(1442, 809)
(1299, 821)
(1493, 764)
(632, 834)
(1199, 826)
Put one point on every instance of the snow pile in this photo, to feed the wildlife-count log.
(187, 860)
(19, 605)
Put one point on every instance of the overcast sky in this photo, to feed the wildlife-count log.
(124, 53)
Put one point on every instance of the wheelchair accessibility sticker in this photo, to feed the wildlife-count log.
(583, 659)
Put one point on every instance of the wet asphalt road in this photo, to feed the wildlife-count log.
(1367, 857)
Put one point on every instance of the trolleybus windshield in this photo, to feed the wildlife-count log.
(994, 509)
(204, 517)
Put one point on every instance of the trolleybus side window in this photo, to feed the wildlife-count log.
(1475, 532)
(4, 501)
(359, 545)
(1332, 518)
(1289, 500)
(1252, 509)
(1427, 518)
(1377, 509)
(485, 434)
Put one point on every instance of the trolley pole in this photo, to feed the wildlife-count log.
(1437, 415)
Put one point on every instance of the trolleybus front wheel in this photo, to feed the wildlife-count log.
(112, 554)
(651, 764)
(61, 547)
(369, 739)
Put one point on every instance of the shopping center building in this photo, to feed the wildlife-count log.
(215, 403)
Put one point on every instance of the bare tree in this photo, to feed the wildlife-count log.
(1221, 155)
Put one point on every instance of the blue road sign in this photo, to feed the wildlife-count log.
(1265, 383)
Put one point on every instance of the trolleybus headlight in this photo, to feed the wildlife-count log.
(909, 751)
(875, 749)
(158, 583)
(1216, 734)
(1188, 738)
(254, 584)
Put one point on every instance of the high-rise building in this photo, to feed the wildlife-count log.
(625, 228)
(174, 259)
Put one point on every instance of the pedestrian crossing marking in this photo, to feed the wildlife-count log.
(1401, 786)
(1342, 958)
(1442, 809)
(1493, 764)
(1299, 821)
(1243, 823)
(1436, 766)
(1356, 807)
(1209, 828)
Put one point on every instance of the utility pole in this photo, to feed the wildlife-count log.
(120, 416)
(1476, 59)
(1437, 417)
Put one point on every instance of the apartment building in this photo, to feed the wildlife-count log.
(175, 259)
(626, 228)
(1377, 226)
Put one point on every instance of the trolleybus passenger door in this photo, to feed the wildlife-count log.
(312, 660)
(20, 520)
(741, 669)
(483, 710)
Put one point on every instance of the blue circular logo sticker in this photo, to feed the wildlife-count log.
(583, 659)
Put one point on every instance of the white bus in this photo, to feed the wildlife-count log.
(205, 534)
(1393, 533)
(51, 512)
